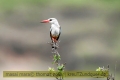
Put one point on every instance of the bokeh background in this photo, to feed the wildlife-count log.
(90, 35)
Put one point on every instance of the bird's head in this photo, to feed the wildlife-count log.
(50, 20)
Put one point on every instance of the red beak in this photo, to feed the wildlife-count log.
(45, 21)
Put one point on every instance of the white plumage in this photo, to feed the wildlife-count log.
(55, 29)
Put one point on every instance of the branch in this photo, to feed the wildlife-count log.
(56, 59)
(110, 76)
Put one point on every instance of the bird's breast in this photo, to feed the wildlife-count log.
(55, 31)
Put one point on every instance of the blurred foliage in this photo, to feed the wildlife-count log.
(11, 4)
(98, 3)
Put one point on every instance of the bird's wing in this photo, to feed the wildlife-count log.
(51, 34)
(59, 34)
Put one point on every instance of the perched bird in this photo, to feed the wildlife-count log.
(55, 29)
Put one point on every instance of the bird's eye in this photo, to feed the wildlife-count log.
(50, 20)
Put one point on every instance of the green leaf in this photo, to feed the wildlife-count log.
(51, 69)
(60, 68)
(99, 69)
(56, 57)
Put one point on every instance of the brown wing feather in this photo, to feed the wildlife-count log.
(50, 35)
(59, 34)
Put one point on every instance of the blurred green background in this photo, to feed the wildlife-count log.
(90, 35)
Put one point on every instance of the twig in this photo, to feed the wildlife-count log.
(56, 59)
(115, 70)
(111, 77)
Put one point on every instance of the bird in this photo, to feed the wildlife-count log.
(55, 30)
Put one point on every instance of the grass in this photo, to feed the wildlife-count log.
(10, 4)
(103, 4)
(6, 5)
